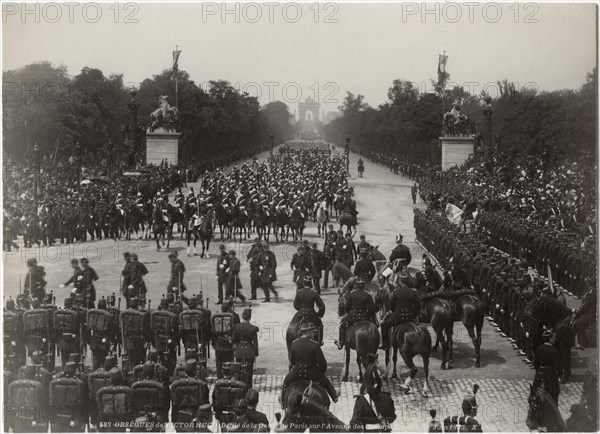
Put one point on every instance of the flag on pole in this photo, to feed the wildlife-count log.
(442, 75)
(176, 60)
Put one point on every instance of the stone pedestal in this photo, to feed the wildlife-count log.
(456, 149)
(160, 145)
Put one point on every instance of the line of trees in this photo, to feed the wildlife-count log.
(43, 104)
(562, 122)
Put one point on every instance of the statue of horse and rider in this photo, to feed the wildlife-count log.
(164, 116)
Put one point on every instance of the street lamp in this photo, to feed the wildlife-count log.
(36, 174)
(271, 137)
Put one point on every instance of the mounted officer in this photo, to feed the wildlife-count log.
(364, 268)
(304, 302)
(404, 307)
(358, 306)
(308, 362)
(400, 253)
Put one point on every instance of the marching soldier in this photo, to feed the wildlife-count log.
(34, 280)
(258, 421)
(222, 265)
(298, 265)
(14, 348)
(88, 291)
(267, 271)
(68, 326)
(224, 402)
(233, 284)
(68, 395)
(176, 285)
(315, 266)
(245, 340)
(115, 403)
(223, 325)
(75, 279)
(134, 329)
(413, 192)
(253, 258)
(126, 273)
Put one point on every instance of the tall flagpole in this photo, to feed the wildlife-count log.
(176, 73)
(443, 86)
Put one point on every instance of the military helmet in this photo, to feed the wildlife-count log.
(252, 396)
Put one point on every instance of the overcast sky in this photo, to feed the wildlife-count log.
(317, 50)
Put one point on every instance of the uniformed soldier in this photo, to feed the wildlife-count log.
(400, 252)
(413, 192)
(364, 268)
(88, 291)
(253, 258)
(245, 340)
(75, 278)
(34, 280)
(404, 306)
(373, 409)
(126, 282)
(258, 421)
(14, 346)
(308, 363)
(305, 301)
(222, 265)
(222, 344)
(466, 422)
(68, 326)
(299, 266)
(267, 271)
(359, 306)
(233, 283)
(176, 285)
(547, 364)
(316, 265)
(227, 391)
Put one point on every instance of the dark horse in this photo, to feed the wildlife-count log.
(438, 312)
(347, 219)
(307, 408)
(470, 311)
(261, 222)
(206, 231)
(543, 412)
(296, 225)
(162, 229)
(224, 219)
(362, 336)
(584, 415)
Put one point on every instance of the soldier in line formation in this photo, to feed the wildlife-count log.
(518, 304)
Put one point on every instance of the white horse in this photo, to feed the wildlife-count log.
(322, 216)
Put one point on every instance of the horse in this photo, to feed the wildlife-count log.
(340, 273)
(321, 217)
(135, 221)
(375, 255)
(411, 339)
(347, 219)
(223, 215)
(338, 204)
(206, 231)
(438, 312)
(584, 415)
(191, 230)
(306, 406)
(470, 311)
(161, 228)
(176, 216)
(280, 221)
(543, 411)
(241, 221)
(296, 225)
(261, 222)
(148, 215)
(117, 221)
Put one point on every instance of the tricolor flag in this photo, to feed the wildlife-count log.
(442, 75)
(176, 60)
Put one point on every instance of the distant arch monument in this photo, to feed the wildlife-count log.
(309, 118)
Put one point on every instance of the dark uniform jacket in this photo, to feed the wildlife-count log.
(365, 270)
(364, 418)
(404, 304)
(306, 358)
(177, 272)
(305, 302)
(257, 420)
(360, 306)
(401, 252)
(268, 262)
(246, 340)
(87, 284)
(35, 283)
(74, 279)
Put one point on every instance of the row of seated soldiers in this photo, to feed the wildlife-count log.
(517, 301)
(112, 399)
(543, 246)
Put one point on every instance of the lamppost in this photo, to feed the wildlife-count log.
(347, 151)
(271, 137)
(487, 130)
(78, 162)
(36, 174)
(133, 127)
(110, 158)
